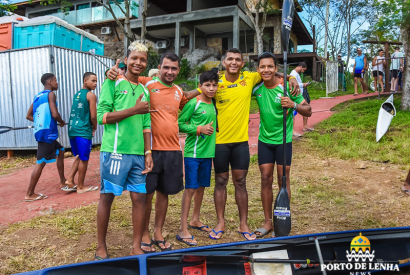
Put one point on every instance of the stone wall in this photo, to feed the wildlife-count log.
(215, 43)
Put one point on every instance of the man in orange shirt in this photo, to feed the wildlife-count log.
(167, 175)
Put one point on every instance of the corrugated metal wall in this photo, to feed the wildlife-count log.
(19, 87)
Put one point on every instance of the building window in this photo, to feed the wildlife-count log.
(83, 6)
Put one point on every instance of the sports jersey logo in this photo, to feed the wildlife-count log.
(224, 101)
(220, 81)
(154, 90)
(80, 105)
(259, 95)
(124, 92)
(243, 83)
(233, 86)
(277, 99)
(79, 95)
(203, 112)
(241, 77)
(222, 87)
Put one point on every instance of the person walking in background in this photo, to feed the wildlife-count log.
(378, 63)
(396, 66)
(341, 70)
(301, 68)
(360, 63)
(81, 129)
(43, 112)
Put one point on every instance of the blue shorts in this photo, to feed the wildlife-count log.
(197, 172)
(121, 172)
(81, 147)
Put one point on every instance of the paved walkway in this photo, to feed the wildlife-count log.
(13, 186)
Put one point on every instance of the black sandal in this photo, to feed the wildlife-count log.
(163, 242)
(148, 245)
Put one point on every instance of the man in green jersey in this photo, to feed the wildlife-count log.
(269, 96)
(82, 126)
(125, 112)
(197, 119)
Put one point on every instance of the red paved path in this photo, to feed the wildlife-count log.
(13, 186)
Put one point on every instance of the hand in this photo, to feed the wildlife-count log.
(363, 71)
(94, 132)
(149, 164)
(294, 87)
(142, 107)
(207, 129)
(286, 102)
(113, 72)
(62, 123)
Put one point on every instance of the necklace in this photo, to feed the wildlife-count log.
(133, 90)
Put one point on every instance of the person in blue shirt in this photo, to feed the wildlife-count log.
(43, 112)
(360, 64)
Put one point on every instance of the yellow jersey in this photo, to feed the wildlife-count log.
(233, 100)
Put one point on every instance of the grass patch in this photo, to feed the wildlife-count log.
(351, 134)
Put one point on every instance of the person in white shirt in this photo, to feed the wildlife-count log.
(378, 63)
(301, 68)
(396, 66)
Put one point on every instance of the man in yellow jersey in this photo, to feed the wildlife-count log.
(233, 103)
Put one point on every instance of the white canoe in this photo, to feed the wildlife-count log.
(386, 114)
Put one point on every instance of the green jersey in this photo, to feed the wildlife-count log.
(80, 120)
(125, 136)
(271, 114)
(197, 113)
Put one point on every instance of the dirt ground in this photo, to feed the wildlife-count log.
(327, 195)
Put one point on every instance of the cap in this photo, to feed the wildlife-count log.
(152, 72)
(359, 49)
(121, 65)
(339, 54)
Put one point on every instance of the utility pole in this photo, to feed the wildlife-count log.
(326, 26)
(144, 18)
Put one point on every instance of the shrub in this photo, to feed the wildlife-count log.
(185, 69)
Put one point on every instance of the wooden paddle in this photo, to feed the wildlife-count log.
(281, 210)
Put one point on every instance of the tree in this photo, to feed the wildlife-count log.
(110, 5)
(393, 14)
(253, 10)
(6, 7)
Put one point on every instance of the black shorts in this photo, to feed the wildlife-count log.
(167, 174)
(236, 154)
(273, 153)
(359, 75)
(48, 152)
(394, 73)
(306, 96)
(375, 73)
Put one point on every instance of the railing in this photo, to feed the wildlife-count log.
(95, 14)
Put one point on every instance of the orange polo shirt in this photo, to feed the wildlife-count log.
(164, 123)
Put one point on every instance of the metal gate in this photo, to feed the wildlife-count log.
(20, 82)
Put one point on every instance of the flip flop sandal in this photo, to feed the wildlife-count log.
(69, 189)
(147, 245)
(163, 242)
(216, 234)
(182, 240)
(200, 228)
(263, 232)
(244, 233)
(98, 258)
(40, 197)
(91, 188)
(407, 192)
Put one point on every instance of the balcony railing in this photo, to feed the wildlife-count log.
(95, 14)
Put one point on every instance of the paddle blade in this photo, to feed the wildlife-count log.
(281, 214)
(288, 10)
(5, 129)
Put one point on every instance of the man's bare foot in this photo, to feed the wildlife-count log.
(70, 184)
(159, 241)
(217, 232)
(136, 251)
(199, 226)
(245, 228)
(101, 252)
(146, 239)
(35, 197)
(186, 238)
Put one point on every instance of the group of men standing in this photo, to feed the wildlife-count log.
(140, 149)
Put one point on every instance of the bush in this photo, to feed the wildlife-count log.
(185, 69)
(199, 69)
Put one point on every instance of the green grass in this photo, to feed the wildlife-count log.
(351, 134)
